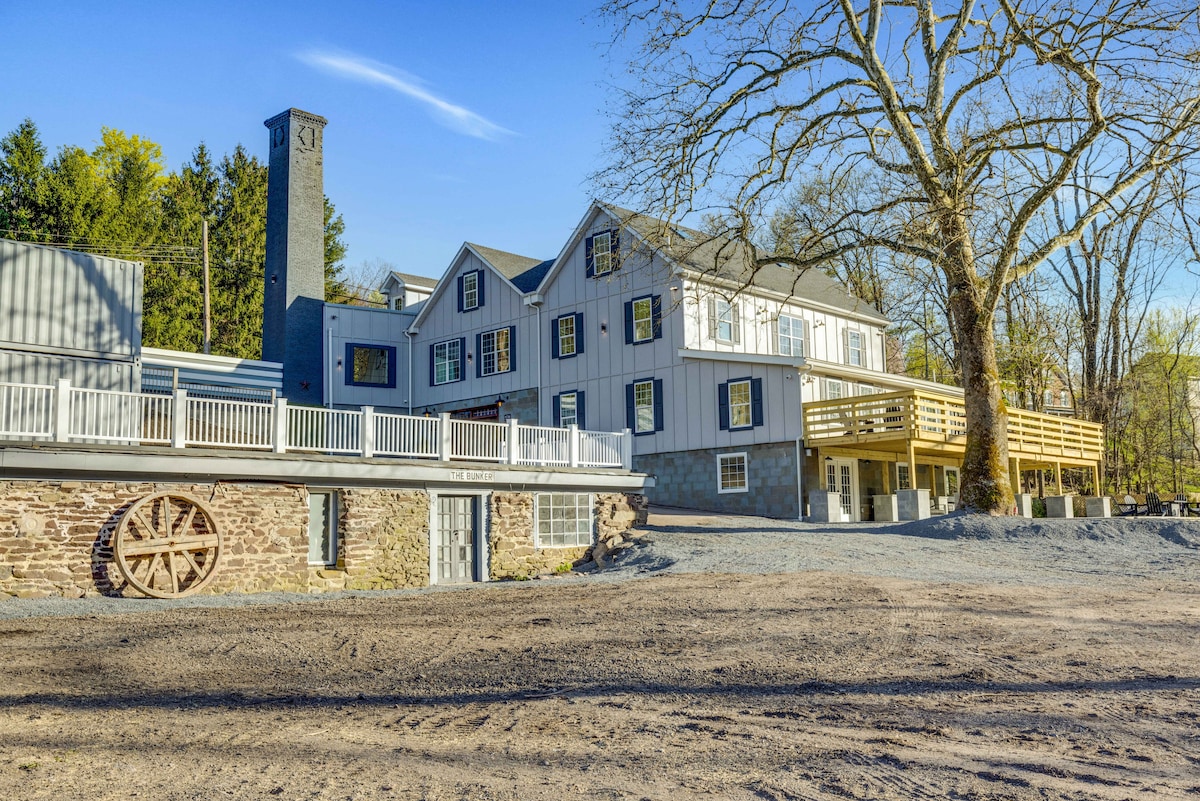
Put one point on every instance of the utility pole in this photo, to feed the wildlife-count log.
(207, 308)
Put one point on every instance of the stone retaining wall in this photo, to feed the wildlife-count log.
(56, 537)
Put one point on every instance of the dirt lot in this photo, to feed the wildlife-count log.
(1072, 677)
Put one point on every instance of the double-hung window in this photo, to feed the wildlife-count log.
(568, 409)
(445, 361)
(740, 403)
(470, 290)
(370, 365)
(644, 406)
(601, 251)
(791, 336)
(731, 473)
(566, 336)
(833, 389)
(496, 351)
(643, 319)
(724, 321)
(854, 348)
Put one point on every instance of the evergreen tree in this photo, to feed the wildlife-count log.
(237, 253)
(22, 182)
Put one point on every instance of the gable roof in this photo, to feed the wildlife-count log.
(408, 279)
(721, 258)
(524, 272)
(521, 273)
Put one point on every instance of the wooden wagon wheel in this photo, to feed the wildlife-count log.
(167, 545)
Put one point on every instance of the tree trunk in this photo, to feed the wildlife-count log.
(985, 484)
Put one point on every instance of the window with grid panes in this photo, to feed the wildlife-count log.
(563, 519)
(643, 406)
(791, 336)
(447, 362)
(494, 351)
(731, 473)
(566, 335)
(739, 404)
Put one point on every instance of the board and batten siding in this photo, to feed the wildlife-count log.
(69, 303)
(502, 307)
(363, 325)
(824, 329)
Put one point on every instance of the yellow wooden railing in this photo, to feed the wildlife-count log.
(940, 420)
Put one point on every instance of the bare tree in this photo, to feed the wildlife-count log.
(971, 116)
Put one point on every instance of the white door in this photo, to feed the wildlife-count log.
(841, 476)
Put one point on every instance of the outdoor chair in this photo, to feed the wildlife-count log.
(1179, 506)
(1127, 507)
(1154, 505)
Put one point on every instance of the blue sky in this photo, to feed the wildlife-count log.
(449, 121)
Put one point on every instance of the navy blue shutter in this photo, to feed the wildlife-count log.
(629, 322)
(756, 401)
(588, 258)
(656, 314)
(478, 355)
(723, 405)
(578, 332)
(462, 355)
(512, 348)
(478, 288)
(658, 405)
(432, 374)
(630, 416)
(554, 340)
(461, 292)
(614, 241)
(579, 418)
(557, 411)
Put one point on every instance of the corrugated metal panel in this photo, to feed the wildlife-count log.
(199, 368)
(40, 368)
(69, 303)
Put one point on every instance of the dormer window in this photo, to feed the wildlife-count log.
(601, 253)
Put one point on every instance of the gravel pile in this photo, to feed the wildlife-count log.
(953, 548)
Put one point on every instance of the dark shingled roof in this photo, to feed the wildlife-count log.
(418, 281)
(524, 272)
(723, 258)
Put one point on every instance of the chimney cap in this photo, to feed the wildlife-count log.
(303, 116)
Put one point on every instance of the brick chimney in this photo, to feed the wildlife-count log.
(295, 274)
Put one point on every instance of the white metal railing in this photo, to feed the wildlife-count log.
(601, 449)
(542, 445)
(63, 413)
(26, 410)
(404, 435)
(130, 417)
(478, 441)
(229, 424)
(328, 430)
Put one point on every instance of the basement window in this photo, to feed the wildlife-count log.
(563, 519)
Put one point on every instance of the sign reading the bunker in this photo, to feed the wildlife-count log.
(472, 475)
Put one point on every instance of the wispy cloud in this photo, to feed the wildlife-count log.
(452, 116)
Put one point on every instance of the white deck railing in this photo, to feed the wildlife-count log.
(62, 413)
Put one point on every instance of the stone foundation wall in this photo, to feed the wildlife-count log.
(56, 537)
(512, 544)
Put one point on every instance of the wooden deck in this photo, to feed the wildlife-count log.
(931, 428)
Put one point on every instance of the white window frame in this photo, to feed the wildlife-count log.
(796, 336)
(568, 336)
(742, 407)
(602, 246)
(647, 320)
(569, 527)
(724, 320)
(573, 419)
(643, 390)
(470, 291)
(722, 475)
(491, 354)
(856, 354)
(829, 384)
(445, 361)
(903, 476)
(329, 534)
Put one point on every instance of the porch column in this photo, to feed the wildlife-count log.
(912, 464)
(887, 477)
(1096, 479)
(1058, 478)
(1014, 472)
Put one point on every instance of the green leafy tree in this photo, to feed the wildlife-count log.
(23, 177)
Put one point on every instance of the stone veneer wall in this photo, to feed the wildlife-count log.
(689, 479)
(56, 536)
(512, 544)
